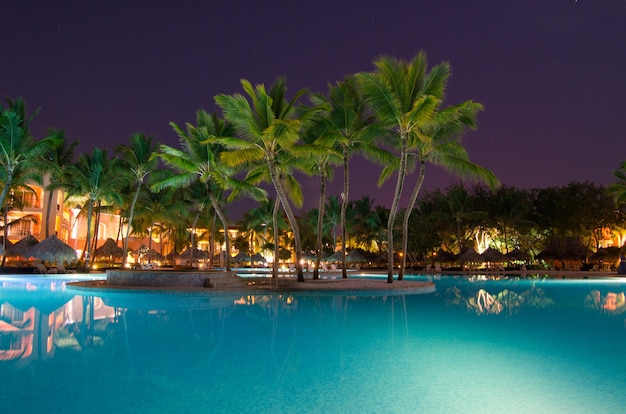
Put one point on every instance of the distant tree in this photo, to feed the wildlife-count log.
(20, 153)
(199, 160)
(618, 188)
(58, 158)
(93, 179)
(139, 163)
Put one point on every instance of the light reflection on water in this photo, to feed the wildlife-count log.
(472, 346)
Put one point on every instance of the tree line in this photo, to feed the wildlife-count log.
(394, 116)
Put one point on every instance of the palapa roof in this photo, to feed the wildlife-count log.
(518, 254)
(258, 258)
(195, 254)
(20, 248)
(242, 257)
(109, 248)
(51, 249)
(470, 255)
(492, 255)
(355, 257)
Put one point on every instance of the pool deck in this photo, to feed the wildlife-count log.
(229, 282)
(330, 282)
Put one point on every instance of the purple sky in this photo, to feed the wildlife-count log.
(550, 73)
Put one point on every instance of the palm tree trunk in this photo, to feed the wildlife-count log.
(87, 250)
(276, 245)
(48, 207)
(407, 214)
(7, 187)
(395, 204)
(320, 224)
(280, 192)
(212, 242)
(344, 207)
(5, 233)
(5, 191)
(95, 234)
(222, 217)
(130, 222)
(193, 238)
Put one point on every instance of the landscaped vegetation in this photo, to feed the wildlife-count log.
(394, 116)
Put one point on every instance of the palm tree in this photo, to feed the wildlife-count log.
(60, 156)
(199, 159)
(438, 142)
(139, 161)
(323, 164)
(21, 184)
(351, 131)
(333, 216)
(267, 126)
(94, 178)
(18, 150)
(403, 98)
(618, 188)
(364, 221)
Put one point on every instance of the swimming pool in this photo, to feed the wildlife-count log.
(513, 345)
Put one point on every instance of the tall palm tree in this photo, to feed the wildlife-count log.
(139, 162)
(351, 130)
(18, 149)
(403, 97)
(321, 163)
(94, 178)
(267, 125)
(438, 142)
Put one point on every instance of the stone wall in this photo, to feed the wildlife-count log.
(168, 278)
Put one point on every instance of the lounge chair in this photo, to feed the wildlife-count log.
(61, 269)
(42, 269)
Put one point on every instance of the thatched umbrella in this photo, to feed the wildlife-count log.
(20, 248)
(355, 257)
(241, 257)
(152, 254)
(145, 253)
(470, 255)
(52, 250)
(109, 249)
(258, 258)
(196, 254)
(493, 256)
(443, 256)
(334, 258)
(518, 254)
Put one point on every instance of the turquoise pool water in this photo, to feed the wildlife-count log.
(515, 345)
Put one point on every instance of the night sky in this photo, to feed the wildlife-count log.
(550, 73)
